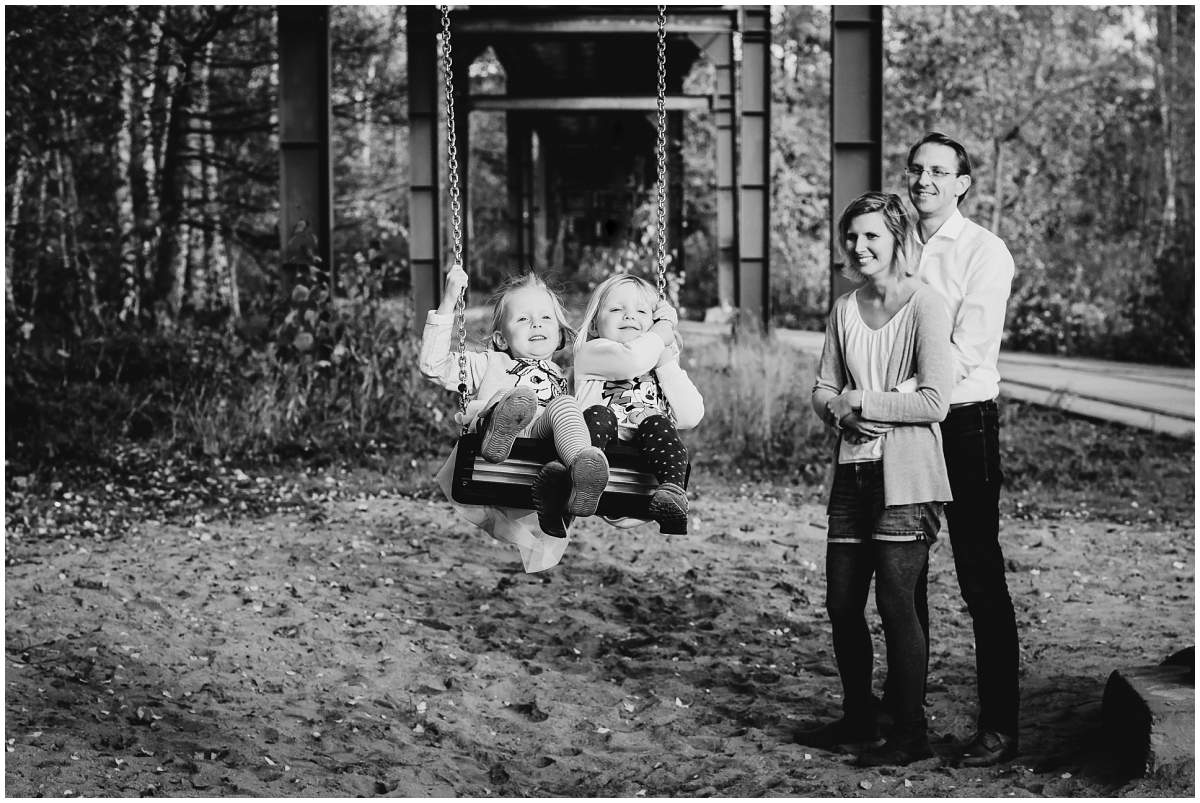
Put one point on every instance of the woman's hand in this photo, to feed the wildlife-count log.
(860, 430)
(845, 403)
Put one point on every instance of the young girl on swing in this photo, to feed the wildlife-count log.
(517, 390)
(883, 383)
(630, 386)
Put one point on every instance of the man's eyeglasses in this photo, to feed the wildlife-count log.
(935, 173)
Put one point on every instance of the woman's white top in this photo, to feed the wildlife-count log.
(866, 353)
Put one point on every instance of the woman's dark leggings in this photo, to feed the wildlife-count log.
(896, 566)
(656, 439)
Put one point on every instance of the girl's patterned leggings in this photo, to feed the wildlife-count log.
(656, 438)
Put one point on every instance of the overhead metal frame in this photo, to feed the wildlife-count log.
(305, 168)
(856, 117)
(753, 177)
(425, 245)
(730, 35)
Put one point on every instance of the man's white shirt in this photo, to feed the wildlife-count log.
(972, 270)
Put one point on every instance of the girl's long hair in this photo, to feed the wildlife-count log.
(588, 324)
(519, 282)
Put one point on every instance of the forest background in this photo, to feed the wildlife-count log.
(143, 278)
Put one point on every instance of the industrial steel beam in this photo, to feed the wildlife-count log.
(719, 50)
(305, 169)
(424, 200)
(488, 103)
(502, 21)
(742, 117)
(754, 195)
(856, 114)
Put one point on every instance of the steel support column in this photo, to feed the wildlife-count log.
(424, 230)
(754, 197)
(676, 187)
(720, 52)
(517, 130)
(305, 169)
(856, 113)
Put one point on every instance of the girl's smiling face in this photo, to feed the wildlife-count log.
(530, 328)
(870, 246)
(625, 313)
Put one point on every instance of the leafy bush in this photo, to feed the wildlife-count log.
(337, 378)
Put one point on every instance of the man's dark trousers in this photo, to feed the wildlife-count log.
(971, 445)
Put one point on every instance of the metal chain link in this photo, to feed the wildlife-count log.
(460, 304)
(661, 153)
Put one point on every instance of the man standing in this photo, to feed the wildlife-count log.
(971, 268)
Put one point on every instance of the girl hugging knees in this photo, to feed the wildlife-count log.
(630, 386)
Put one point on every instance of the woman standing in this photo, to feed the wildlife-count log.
(883, 383)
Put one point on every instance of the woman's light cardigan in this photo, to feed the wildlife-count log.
(914, 469)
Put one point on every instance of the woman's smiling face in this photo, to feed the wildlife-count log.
(869, 244)
(625, 314)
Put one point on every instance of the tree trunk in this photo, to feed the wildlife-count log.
(147, 150)
(997, 184)
(126, 223)
(231, 260)
(215, 257)
(170, 98)
(39, 238)
(79, 286)
(1164, 65)
(81, 262)
(171, 258)
(13, 231)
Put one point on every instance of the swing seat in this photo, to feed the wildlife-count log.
(509, 484)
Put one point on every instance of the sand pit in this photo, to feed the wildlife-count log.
(382, 647)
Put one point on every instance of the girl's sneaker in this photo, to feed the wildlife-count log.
(669, 507)
(508, 417)
(589, 476)
(549, 489)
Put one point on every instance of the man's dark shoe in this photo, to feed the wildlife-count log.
(896, 753)
(840, 732)
(987, 748)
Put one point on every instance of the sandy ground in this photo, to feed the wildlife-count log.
(381, 647)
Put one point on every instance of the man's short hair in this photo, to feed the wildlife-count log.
(938, 138)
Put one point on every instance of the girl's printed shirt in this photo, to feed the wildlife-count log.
(543, 376)
(636, 380)
(635, 400)
(488, 372)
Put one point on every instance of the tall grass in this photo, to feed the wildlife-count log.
(756, 400)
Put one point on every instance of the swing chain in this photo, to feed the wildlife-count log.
(460, 304)
(660, 152)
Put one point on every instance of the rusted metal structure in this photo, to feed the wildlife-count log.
(856, 116)
(305, 167)
(578, 102)
(579, 92)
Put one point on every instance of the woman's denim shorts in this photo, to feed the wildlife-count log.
(857, 513)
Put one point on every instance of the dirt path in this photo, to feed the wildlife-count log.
(386, 648)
